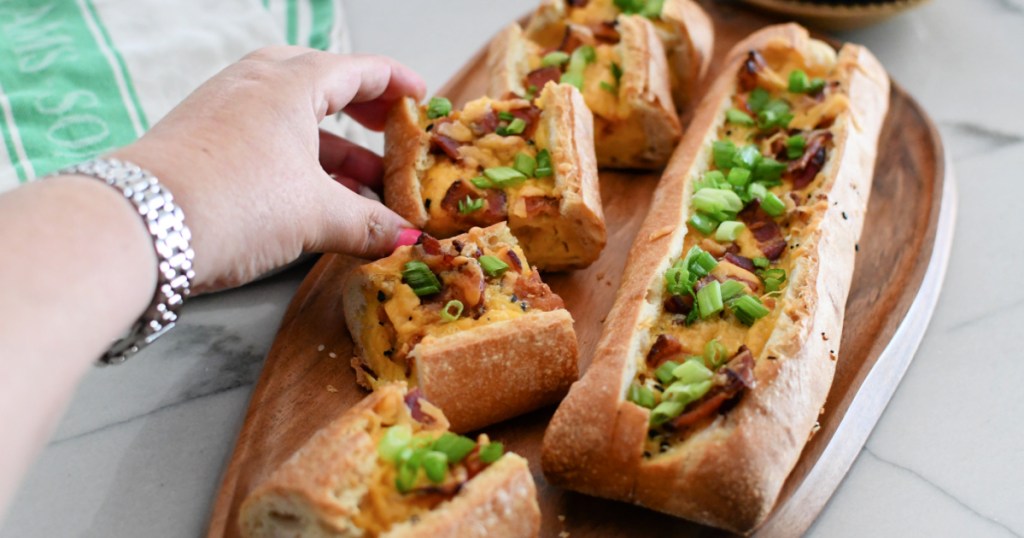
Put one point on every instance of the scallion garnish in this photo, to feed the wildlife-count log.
(504, 176)
(506, 116)
(738, 177)
(773, 205)
(816, 86)
(757, 191)
(525, 164)
(747, 157)
(769, 171)
(616, 73)
(701, 262)
(455, 447)
(436, 466)
(677, 279)
(482, 182)
(555, 58)
(452, 310)
(795, 146)
(665, 411)
(730, 289)
(738, 117)
(684, 393)
(722, 152)
(748, 309)
(775, 114)
(470, 205)
(577, 64)
(715, 353)
(419, 277)
(709, 299)
(640, 395)
(703, 223)
(718, 203)
(692, 371)
(664, 372)
(515, 127)
(728, 231)
(491, 452)
(758, 99)
(608, 88)
(394, 440)
(438, 107)
(492, 266)
(543, 164)
(406, 478)
(772, 278)
(761, 262)
(798, 81)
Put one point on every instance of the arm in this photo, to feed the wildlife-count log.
(259, 184)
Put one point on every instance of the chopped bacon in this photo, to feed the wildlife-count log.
(494, 209)
(541, 76)
(412, 401)
(514, 261)
(485, 124)
(803, 170)
(748, 72)
(605, 32)
(440, 143)
(703, 282)
(701, 409)
(730, 381)
(577, 3)
(570, 41)
(536, 294)
(541, 206)
(430, 244)
(740, 261)
(530, 115)
(740, 370)
(766, 231)
(665, 347)
(679, 304)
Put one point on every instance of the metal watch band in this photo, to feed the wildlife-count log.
(171, 240)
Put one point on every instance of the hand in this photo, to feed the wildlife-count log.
(246, 161)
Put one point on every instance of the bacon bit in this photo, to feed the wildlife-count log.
(740, 261)
(748, 72)
(488, 123)
(577, 3)
(679, 304)
(740, 369)
(703, 282)
(766, 231)
(458, 245)
(514, 261)
(803, 170)
(736, 375)
(494, 210)
(529, 114)
(795, 196)
(541, 76)
(412, 401)
(430, 244)
(537, 294)
(440, 143)
(702, 409)
(733, 248)
(665, 347)
(570, 41)
(541, 206)
(605, 32)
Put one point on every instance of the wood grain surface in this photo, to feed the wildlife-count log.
(307, 381)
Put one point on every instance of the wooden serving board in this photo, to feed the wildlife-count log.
(307, 381)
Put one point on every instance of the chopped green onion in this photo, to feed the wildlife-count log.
(769, 171)
(393, 441)
(757, 190)
(531, 92)
(701, 262)
(664, 372)
(749, 309)
(525, 164)
(722, 152)
(677, 279)
(684, 393)
(798, 81)
(775, 114)
(692, 371)
(505, 176)
(446, 312)
(795, 146)
(772, 278)
(717, 203)
(713, 179)
(406, 478)
(816, 86)
(516, 126)
(731, 288)
(728, 231)
(709, 299)
(739, 117)
(455, 447)
(758, 99)
(738, 176)
(419, 277)
(703, 223)
(747, 157)
(715, 353)
(506, 116)
(482, 182)
(773, 205)
(577, 64)
(617, 73)
(491, 452)
(493, 266)
(608, 88)
(666, 411)
(761, 262)
(653, 9)
(438, 107)
(640, 395)
(470, 205)
(543, 164)
(555, 58)
(436, 466)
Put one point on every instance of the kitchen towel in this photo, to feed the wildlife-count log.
(82, 77)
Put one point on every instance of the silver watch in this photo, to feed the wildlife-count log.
(171, 240)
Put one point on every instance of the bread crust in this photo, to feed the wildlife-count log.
(729, 474)
(405, 146)
(690, 55)
(489, 373)
(322, 484)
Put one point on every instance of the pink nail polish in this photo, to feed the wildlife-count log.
(408, 236)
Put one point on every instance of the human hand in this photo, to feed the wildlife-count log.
(247, 163)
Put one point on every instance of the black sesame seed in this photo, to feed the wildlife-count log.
(844, 215)
(856, 247)
(514, 298)
(381, 297)
(523, 306)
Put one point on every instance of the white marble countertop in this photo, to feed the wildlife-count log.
(142, 446)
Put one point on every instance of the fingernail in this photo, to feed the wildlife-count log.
(408, 236)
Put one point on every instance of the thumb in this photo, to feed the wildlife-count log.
(354, 225)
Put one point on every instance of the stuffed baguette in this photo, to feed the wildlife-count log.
(530, 162)
(720, 349)
(686, 33)
(388, 467)
(623, 76)
(466, 320)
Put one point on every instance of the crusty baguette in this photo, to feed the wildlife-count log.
(642, 128)
(686, 32)
(317, 492)
(729, 473)
(571, 240)
(484, 374)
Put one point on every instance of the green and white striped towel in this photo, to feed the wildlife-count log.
(81, 77)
